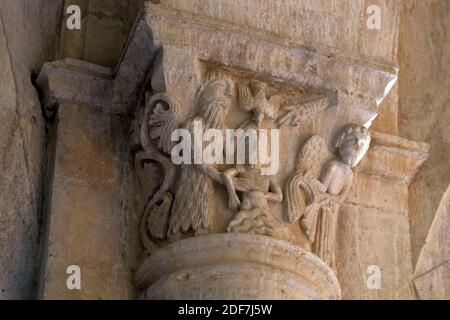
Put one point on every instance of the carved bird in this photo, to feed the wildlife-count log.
(252, 98)
(296, 113)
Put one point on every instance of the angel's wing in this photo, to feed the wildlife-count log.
(246, 99)
(299, 192)
(295, 113)
(312, 156)
(160, 119)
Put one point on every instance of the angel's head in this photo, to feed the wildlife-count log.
(353, 143)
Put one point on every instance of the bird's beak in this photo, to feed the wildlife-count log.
(259, 118)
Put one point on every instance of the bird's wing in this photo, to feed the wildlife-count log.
(299, 190)
(246, 100)
(295, 113)
(275, 100)
(313, 155)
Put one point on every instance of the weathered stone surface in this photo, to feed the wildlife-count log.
(370, 236)
(389, 167)
(236, 266)
(432, 272)
(374, 222)
(94, 85)
(105, 26)
(90, 212)
(403, 156)
(181, 48)
(387, 120)
(361, 86)
(424, 111)
(27, 36)
(332, 27)
(266, 55)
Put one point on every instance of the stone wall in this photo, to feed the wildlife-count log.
(374, 222)
(424, 111)
(91, 220)
(334, 27)
(104, 30)
(28, 34)
(92, 231)
(424, 114)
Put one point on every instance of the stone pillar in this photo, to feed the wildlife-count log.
(374, 221)
(88, 209)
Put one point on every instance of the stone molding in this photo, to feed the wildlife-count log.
(393, 157)
(254, 267)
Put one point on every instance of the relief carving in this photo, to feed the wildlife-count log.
(318, 187)
(186, 201)
(194, 202)
(253, 214)
(252, 98)
(257, 191)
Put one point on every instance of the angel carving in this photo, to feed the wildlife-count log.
(319, 185)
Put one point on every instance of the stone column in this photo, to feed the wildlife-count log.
(88, 203)
(236, 266)
(217, 260)
(223, 231)
(373, 228)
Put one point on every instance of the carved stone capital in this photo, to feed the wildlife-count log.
(265, 84)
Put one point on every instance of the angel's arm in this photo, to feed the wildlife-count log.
(275, 194)
(229, 174)
(327, 174)
(345, 189)
(211, 172)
